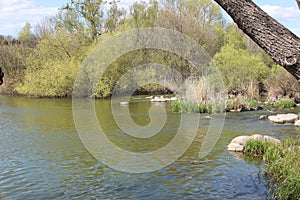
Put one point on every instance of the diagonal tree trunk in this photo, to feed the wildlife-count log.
(280, 43)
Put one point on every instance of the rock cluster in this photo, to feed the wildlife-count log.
(282, 118)
(162, 99)
(238, 143)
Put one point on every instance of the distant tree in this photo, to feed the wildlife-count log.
(115, 17)
(91, 11)
(26, 36)
(242, 72)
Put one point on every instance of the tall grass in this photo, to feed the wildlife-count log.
(282, 166)
(190, 107)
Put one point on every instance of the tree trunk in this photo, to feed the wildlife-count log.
(280, 43)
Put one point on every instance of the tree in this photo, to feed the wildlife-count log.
(114, 17)
(242, 72)
(26, 37)
(200, 19)
(91, 11)
(144, 14)
(280, 43)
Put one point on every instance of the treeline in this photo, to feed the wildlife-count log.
(44, 62)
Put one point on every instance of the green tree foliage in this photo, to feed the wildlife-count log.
(115, 17)
(200, 19)
(13, 56)
(92, 13)
(241, 71)
(143, 14)
(50, 58)
(26, 36)
(52, 65)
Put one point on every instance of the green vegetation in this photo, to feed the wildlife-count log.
(45, 61)
(281, 165)
(191, 107)
(285, 103)
(256, 147)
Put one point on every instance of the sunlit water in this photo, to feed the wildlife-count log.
(42, 157)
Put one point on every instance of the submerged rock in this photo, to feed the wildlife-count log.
(262, 117)
(238, 143)
(163, 99)
(158, 99)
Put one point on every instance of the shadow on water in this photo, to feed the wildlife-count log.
(42, 157)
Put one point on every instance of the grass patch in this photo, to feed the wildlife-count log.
(285, 103)
(190, 107)
(282, 165)
(256, 147)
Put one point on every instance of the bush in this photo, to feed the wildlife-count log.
(242, 73)
(53, 80)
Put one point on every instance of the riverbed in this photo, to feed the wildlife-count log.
(42, 157)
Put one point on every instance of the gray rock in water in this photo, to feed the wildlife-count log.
(297, 123)
(238, 143)
(283, 118)
(271, 139)
(235, 147)
(257, 137)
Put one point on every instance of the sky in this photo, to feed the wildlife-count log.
(15, 13)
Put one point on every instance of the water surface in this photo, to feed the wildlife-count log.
(42, 157)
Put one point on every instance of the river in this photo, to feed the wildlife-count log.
(42, 157)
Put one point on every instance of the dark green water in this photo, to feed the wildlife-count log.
(42, 157)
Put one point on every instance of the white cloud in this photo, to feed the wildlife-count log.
(282, 13)
(15, 13)
(288, 16)
(296, 31)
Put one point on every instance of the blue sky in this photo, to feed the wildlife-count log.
(15, 13)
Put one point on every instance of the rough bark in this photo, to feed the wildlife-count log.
(280, 43)
(298, 2)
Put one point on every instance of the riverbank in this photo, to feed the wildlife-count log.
(237, 104)
(282, 165)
